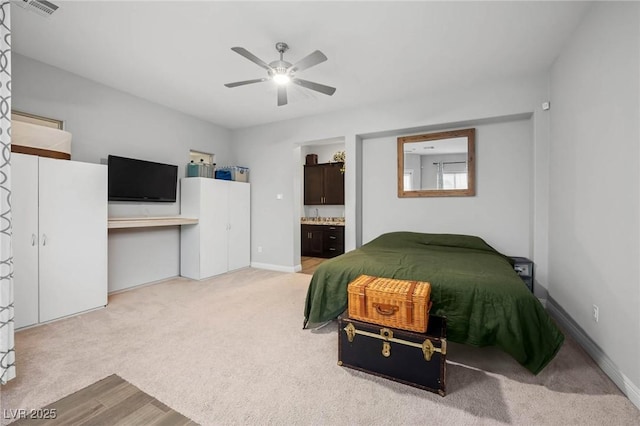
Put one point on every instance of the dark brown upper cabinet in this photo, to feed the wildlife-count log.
(324, 184)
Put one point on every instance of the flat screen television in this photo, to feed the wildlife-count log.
(139, 180)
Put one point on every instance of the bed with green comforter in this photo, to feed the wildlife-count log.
(472, 285)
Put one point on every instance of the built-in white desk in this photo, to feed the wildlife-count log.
(146, 222)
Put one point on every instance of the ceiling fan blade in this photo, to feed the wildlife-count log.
(242, 83)
(327, 90)
(250, 56)
(308, 61)
(282, 95)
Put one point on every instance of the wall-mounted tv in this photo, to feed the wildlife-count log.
(139, 180)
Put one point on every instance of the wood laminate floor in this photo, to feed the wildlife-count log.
(109, 401)
(309, 264)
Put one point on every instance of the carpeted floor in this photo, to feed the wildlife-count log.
(231, 350)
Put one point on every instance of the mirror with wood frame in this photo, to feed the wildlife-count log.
(437, 164)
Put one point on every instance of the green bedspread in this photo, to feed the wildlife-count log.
(473, 286)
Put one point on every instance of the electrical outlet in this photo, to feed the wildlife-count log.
(259, 249)
(596, 313)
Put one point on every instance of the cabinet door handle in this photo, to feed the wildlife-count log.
(34, 239)
(332, 249)
(332, 237)
(44, 239)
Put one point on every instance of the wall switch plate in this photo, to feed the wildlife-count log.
(259, 249)
(596, 313)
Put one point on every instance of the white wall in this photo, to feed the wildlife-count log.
(500, 213)
(413, 163)
(105, 121)
(324, 151)
(265, 149)
(594, 216)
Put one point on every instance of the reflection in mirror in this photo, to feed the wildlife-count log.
(437, 164)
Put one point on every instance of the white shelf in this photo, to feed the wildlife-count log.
(147, 222)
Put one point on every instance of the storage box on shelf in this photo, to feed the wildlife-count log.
(311, 159)
(235, 173)
(201, 169)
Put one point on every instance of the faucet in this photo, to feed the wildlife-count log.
(316, 213)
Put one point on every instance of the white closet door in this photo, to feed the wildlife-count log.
(213, 223)
(73, 237)
(239, 225)
(24, 203)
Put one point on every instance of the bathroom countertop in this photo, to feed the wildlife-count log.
(335, 221)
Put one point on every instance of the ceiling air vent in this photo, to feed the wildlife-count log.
(41, 7)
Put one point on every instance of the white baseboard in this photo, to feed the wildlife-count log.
(630, 389)
(279, 268)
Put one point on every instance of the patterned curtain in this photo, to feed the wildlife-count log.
(7, 354)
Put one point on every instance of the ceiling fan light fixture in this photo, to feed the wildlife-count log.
(281, 79)
(283, 72)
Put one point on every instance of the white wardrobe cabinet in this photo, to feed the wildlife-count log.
(220, 242)
(59, 237)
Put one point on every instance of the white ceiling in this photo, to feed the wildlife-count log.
(179, 54)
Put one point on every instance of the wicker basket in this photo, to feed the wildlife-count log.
(393, 303)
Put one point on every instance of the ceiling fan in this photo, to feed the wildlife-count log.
(283, 72)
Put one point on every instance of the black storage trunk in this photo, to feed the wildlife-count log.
(415, 359)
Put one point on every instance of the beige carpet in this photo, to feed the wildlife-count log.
(230, 350)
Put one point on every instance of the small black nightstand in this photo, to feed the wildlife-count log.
(524, 268)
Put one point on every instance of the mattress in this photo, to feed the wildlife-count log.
(27, 138)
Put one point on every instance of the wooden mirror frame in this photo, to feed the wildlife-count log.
(471, 166)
